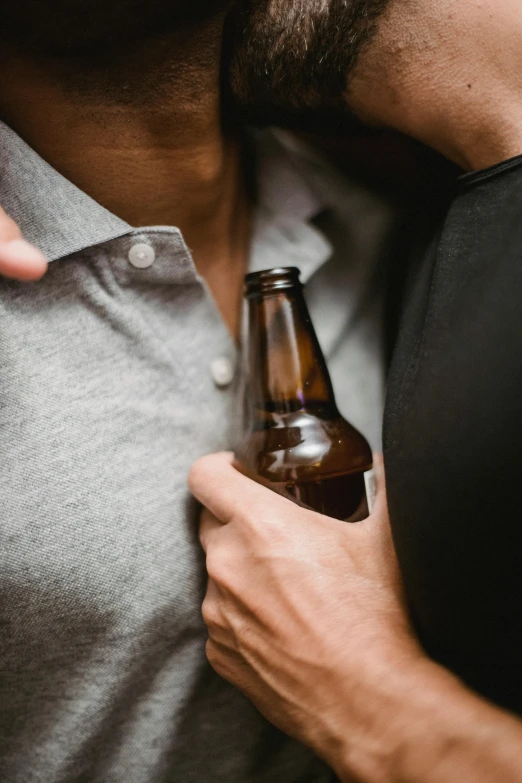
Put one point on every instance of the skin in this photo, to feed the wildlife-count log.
(449, 74)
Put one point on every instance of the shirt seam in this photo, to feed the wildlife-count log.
(475, 177)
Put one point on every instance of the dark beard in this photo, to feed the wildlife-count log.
(290, 60)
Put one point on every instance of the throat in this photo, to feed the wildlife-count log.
(147, 143)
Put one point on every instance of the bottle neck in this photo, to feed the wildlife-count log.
(286, 367)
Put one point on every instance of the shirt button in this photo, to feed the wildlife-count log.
(222, 371)
(142, 256)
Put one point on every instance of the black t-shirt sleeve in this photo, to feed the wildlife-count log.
(453, 437)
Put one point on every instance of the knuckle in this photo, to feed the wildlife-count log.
(256, 517)
(214, 657)
(198, 472)
(210, 613)
(206, 470)
(218, 565)
(210, 650)
(265, 526)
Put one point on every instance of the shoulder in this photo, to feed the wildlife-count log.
(485, 218)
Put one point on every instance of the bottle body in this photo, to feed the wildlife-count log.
(321, 462)
(296, 441)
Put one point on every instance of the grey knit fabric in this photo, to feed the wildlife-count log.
(107, 395)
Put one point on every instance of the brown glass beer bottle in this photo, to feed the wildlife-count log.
(295, 440)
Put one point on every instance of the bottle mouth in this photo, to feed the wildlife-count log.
(272, 280)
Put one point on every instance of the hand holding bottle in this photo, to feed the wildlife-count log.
(306, 614)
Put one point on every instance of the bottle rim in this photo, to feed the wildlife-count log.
(272, 280)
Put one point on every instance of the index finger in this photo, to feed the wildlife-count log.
(216, 483)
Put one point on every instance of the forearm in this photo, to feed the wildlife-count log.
(429, 728)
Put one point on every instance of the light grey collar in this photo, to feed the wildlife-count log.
(60, 219)
(53, 213)
(288, 202)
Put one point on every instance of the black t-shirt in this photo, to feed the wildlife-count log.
(453, 438)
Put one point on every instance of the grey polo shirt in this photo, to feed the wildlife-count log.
(116, 374)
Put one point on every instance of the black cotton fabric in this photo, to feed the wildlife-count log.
(453, 437)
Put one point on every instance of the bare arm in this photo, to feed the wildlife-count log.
(438, 731)
(306, 616)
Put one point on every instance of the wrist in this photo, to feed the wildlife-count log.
(365, 726)
(395, 723)
(423, 725)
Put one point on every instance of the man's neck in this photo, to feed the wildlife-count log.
(143, 136)
(448, 74)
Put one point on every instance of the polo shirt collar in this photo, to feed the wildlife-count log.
(52, 213)
(60, 219)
